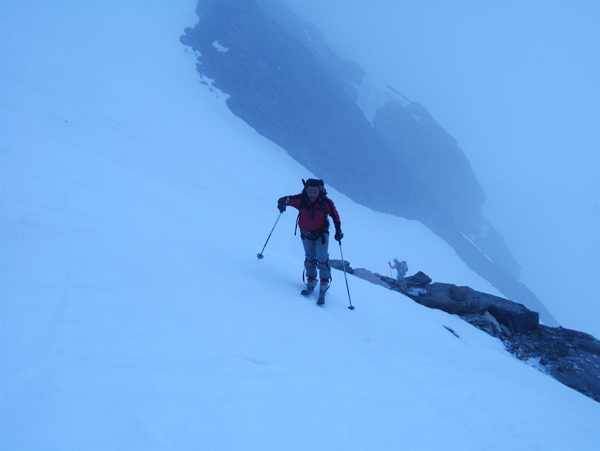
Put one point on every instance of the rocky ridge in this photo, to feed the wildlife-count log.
(569, 356)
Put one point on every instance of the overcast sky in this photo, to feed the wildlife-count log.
(517, 83)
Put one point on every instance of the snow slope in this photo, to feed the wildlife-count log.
(135, 314)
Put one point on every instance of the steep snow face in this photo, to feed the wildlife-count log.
(135, 314)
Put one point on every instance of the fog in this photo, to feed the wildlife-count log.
(518, 85)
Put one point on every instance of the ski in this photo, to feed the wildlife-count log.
(307, 291)
(321, 299)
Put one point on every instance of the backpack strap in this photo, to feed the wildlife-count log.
(331, 209)
(302, 206)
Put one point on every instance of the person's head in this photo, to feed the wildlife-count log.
(313, 188)
(312, 192)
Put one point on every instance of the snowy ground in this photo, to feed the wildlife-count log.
(135, 314)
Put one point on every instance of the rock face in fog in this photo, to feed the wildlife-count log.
(569, 356)
(375, 146)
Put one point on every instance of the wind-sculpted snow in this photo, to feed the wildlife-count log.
(285, 82)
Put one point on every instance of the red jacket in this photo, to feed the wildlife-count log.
(313, 217)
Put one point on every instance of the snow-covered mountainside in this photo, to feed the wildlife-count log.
(393, 157)
(135, 314)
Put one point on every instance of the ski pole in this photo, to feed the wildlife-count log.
(260, 254)
(351, 307)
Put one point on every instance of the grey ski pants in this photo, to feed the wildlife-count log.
(316, 256)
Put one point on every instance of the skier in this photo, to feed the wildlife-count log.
(314, 210)
(401, 269)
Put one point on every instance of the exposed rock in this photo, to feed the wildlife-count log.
(442, 296)
(486, 323)
(457, 294)
(371, 277)
(341, 265)
(361, 273)
(419, 280)
(570, 357)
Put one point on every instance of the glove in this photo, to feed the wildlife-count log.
(338, 235)
(281, 203)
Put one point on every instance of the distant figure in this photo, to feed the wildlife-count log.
(401, 270)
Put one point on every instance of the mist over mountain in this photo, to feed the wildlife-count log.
(378, 147)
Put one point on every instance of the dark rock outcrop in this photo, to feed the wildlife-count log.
(291, 87)
(419, 280)
(466, 301)
(570, 357)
